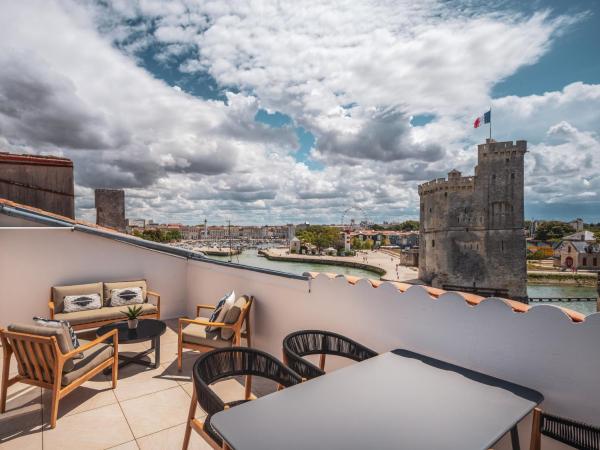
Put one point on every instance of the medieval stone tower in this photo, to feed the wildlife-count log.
(472, 227)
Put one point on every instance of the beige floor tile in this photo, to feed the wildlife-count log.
(156, 411)
(90, 395)
(135, 381)
(131, 445)
(21, 424)
(32, 440)
(168, 352)
(172, 438)
(98, 428)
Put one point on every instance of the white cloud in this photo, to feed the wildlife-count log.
(353, 73)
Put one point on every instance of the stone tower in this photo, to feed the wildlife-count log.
(471, 228)
(110, 208)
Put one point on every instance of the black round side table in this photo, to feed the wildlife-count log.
(147, 330)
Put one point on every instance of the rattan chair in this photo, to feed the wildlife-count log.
(219, 364)
(315, 342)
(576, 434)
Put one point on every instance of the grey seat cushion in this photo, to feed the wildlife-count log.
(63, 338)
(106, 313)
(196, 334)
(59, 293)
(92, 357)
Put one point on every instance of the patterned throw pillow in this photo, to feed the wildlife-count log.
(84, 302)
(61, 324)
(126, 296)
(220, 310)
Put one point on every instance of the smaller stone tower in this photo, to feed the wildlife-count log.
(110, 208)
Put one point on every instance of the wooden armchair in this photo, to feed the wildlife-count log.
(193, 334)
(42, 361)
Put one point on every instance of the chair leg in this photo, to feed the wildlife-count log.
(6, 354)
(188, 425)
(115, 366)
(248, 387)
(248, 334)
(55, 401)
(536, 436)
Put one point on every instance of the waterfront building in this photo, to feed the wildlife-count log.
(578, 255)
(585, 236)
(577, 224)
(471, 227)
(44, 182)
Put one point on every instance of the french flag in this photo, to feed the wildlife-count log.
(486, 118)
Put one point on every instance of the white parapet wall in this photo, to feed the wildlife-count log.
(33, 260)
(541, 349)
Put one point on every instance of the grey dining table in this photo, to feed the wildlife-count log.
(397, 400)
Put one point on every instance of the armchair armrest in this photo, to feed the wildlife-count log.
(199, 307)
(206, 323)
(112, 333)
(51, 306)
(157, 296)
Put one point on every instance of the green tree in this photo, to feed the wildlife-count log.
(159, 235)
(553, 230)
(320, 236)
(356, 243)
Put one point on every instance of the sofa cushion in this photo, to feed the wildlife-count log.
(196, 334)
(232, 316)
(221, 309)
(106, 313)
(61, 334)
(72, 303)
(124, 284)
(126, 296)
(57, 324)
(59, 293)
(92, 357)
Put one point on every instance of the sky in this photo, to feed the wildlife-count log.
(276, 112)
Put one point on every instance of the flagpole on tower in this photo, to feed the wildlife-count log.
(490, 122)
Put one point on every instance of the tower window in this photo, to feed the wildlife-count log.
(507, 160)
(429, 209)
(433, 242)
(494, 177)
(502, 246)
(512, 176)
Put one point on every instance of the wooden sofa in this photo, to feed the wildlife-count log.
(94, 318)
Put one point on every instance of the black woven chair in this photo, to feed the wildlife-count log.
(576, 434)
(315, 342)
(223, 363)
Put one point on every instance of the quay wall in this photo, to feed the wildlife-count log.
(324, 260)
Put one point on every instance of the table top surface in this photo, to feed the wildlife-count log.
(146, 329)
(397, 400)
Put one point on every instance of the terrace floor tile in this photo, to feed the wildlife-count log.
(99, 428)
(157, 411)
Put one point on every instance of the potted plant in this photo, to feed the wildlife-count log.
(132, 313)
